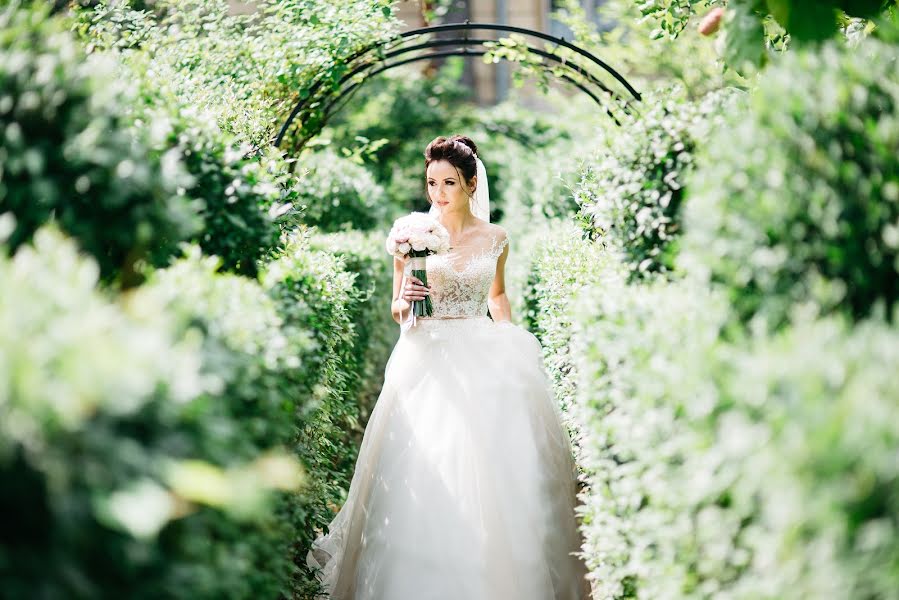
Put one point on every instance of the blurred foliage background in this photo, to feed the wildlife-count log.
(194, 325)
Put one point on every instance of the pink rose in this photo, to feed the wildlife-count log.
(711, 21)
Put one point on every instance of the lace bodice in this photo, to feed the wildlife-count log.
(460, 279)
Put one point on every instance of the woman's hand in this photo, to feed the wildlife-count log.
(414, 289)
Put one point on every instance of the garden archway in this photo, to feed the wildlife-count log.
(565, 60)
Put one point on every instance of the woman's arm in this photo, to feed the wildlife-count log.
(399, 308)
(497, 301)
(405, 291)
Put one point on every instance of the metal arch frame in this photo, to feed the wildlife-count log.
(329, 107)
(398, 40)
(464, 41)
(538, 34)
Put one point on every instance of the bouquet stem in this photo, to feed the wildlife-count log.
(421, 308)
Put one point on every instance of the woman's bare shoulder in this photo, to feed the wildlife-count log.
(490, 233)
(498, 232)
(494, 236)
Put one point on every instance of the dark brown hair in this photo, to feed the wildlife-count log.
(459, 151)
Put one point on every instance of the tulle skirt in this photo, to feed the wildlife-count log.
(465, 485)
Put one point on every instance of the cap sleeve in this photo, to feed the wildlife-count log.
(501, 240)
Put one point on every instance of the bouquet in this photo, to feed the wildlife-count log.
(414, 237)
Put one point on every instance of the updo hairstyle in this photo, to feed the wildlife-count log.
(459, 151)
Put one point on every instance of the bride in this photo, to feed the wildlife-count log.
(465, 485)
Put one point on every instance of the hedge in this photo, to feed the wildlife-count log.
(247, 369)
(346, 312)
(631, 193)
(144, 462)
(66, 152)
(336, 194)
(795, 204)
(725, 460)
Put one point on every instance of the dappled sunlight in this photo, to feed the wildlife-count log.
(655, 356)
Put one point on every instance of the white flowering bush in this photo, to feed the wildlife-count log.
(315, 292)
(795, 205)
(124, 435)
(716, 465)
(631, 193)
(336, 194)
(642, 358)
(734, 471)
(561, 264)
(66, 152)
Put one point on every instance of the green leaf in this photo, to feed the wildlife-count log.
(744, 43)
(863, 8)
(806, 20)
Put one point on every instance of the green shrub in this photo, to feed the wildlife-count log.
(746, 471)
(316, 293)
(376, 331)
(591, 325)
(722, 468)
(631, 193)
(66, 152)
(336, 194)
(643, 355)
(258, 358)
(809, 431)
(389, 121)
(796, 204)
(240, 190)
(145, 462)
(561, 264)
(243, 69)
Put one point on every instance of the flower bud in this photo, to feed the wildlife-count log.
(711, 21)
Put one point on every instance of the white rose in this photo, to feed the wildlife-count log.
(404, 247)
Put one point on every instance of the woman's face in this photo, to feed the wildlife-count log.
(445, 189)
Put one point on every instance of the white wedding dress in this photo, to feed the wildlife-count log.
(465, 484)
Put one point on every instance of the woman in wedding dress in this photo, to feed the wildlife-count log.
(465, 485)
